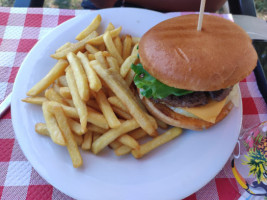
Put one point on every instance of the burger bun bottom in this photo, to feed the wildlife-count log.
(165, 114)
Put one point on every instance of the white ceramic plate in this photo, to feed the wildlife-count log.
(172, 171)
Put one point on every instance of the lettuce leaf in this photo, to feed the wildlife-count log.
(150, 87)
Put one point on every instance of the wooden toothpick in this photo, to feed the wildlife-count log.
(201, 13)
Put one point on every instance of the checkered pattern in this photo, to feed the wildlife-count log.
(20, 29)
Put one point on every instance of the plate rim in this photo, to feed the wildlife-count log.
(14, 120)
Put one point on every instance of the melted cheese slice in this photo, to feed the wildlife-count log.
(208, 112)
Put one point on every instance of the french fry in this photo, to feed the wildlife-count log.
(65, 92)
(94, 82)
(52, 75)
(101, 59)
(79, 46)
(75, 126)
(89, 29)
(96, 118)
(113, 63)
(115, 101)
(123, 150)
(91, 49)
(115, 144)
(92, 39)
(79, 75)
(100, 40)
(91, 57)
(64, 46)
(111, 47)
(106, 109)
(52, 126)
(62, 81)
(118, 44)
(93, 116)
(68, 135)
(126, 66)
(152, 121)
(78, 102)
(87, 140)
(121, 113)
(129, 77)
(96, 129)
(56, 86)
(52, 95)
(136, 134)
(119, 87)
(41, 129)
(126, 49)
(156, 142)
(110, 27)
(135, 50)
(128, 141)
(35, 100)
(112, 134)
(135, 40)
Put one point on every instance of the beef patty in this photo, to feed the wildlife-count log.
(195, 98)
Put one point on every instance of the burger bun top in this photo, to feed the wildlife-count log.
(217, 57)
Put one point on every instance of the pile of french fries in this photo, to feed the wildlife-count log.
(88, 99)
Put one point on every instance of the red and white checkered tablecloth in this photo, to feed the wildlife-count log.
(20, 29)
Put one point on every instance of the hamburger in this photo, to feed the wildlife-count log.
(188, 78)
